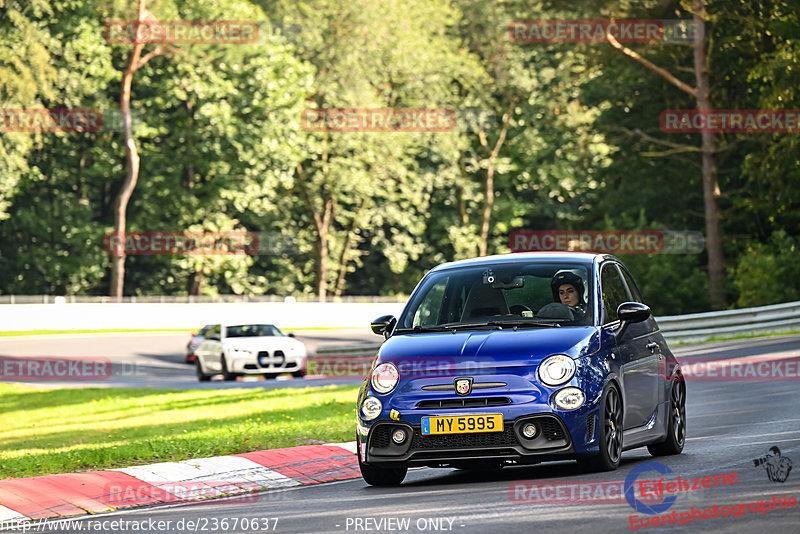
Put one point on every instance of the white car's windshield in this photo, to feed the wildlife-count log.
(518, 294)
(252, 330)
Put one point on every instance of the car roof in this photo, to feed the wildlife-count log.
(519, 257)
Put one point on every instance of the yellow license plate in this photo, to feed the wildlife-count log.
(462, 424)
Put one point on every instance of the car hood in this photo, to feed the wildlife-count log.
(263, 343)
(486, 349)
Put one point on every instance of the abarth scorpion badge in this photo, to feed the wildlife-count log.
(463, 386)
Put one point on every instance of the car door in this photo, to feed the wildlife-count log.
(639, 368)
(655, 343)
(210, 349)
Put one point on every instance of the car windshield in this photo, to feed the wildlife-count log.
(252, 330)
(534, 295)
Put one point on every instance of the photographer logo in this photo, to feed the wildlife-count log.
(777, 466)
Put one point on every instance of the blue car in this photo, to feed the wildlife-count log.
(519, 359)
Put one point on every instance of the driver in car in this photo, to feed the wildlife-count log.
(568, 290)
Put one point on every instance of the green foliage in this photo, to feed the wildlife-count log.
(767, 272)
(222, 148)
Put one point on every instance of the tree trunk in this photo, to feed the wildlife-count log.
(711, 191)
(486, 214)
(338, 287)
(322, 222)
(121, 204)
(488, 181)
(195, 283)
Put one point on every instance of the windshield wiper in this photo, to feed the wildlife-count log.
(423, 329)
(523, 323)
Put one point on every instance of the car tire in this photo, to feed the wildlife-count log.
(299, 374)
(609, 433)
(201, 376)
(226, 375)
(676, 426)
(380, 476)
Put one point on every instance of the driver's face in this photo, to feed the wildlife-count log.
(568, 295)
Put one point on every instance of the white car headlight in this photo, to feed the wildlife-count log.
(371, 408)
(384, 378)
(556, 370)
(569, 398)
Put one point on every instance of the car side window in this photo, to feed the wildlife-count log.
(635, 295)
(428, 312)
(613, 290)
(213, 330)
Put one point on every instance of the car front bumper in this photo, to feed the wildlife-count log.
(552, 441)
(266, 362)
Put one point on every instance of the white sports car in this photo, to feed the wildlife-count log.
(248, 349)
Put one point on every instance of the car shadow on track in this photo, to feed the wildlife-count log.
(564, 471)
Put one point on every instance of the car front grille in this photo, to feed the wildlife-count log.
(381, 437)
(551, 428)
(278, 359)
(458, 441)
(465, 402)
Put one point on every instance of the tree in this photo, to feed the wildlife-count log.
(132, 176)
(711, 192)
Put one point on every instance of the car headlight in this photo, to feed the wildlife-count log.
(239, 352)
(569, 398)
(556, 370)
(384, 378)
(371, 408)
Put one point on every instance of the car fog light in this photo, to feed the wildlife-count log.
(529, 430)
(371, 408)
(399, 436)
(569, 398)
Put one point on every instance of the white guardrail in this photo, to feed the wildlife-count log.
(289, 314)
(730, 323)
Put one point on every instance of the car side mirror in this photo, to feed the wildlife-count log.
(213, 336)
(384, 325)
(290, 334)
(631, 312)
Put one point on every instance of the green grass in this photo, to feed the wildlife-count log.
(60, 431)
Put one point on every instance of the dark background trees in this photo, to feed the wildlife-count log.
(568, 138)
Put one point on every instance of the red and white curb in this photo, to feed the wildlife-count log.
(174, 482)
